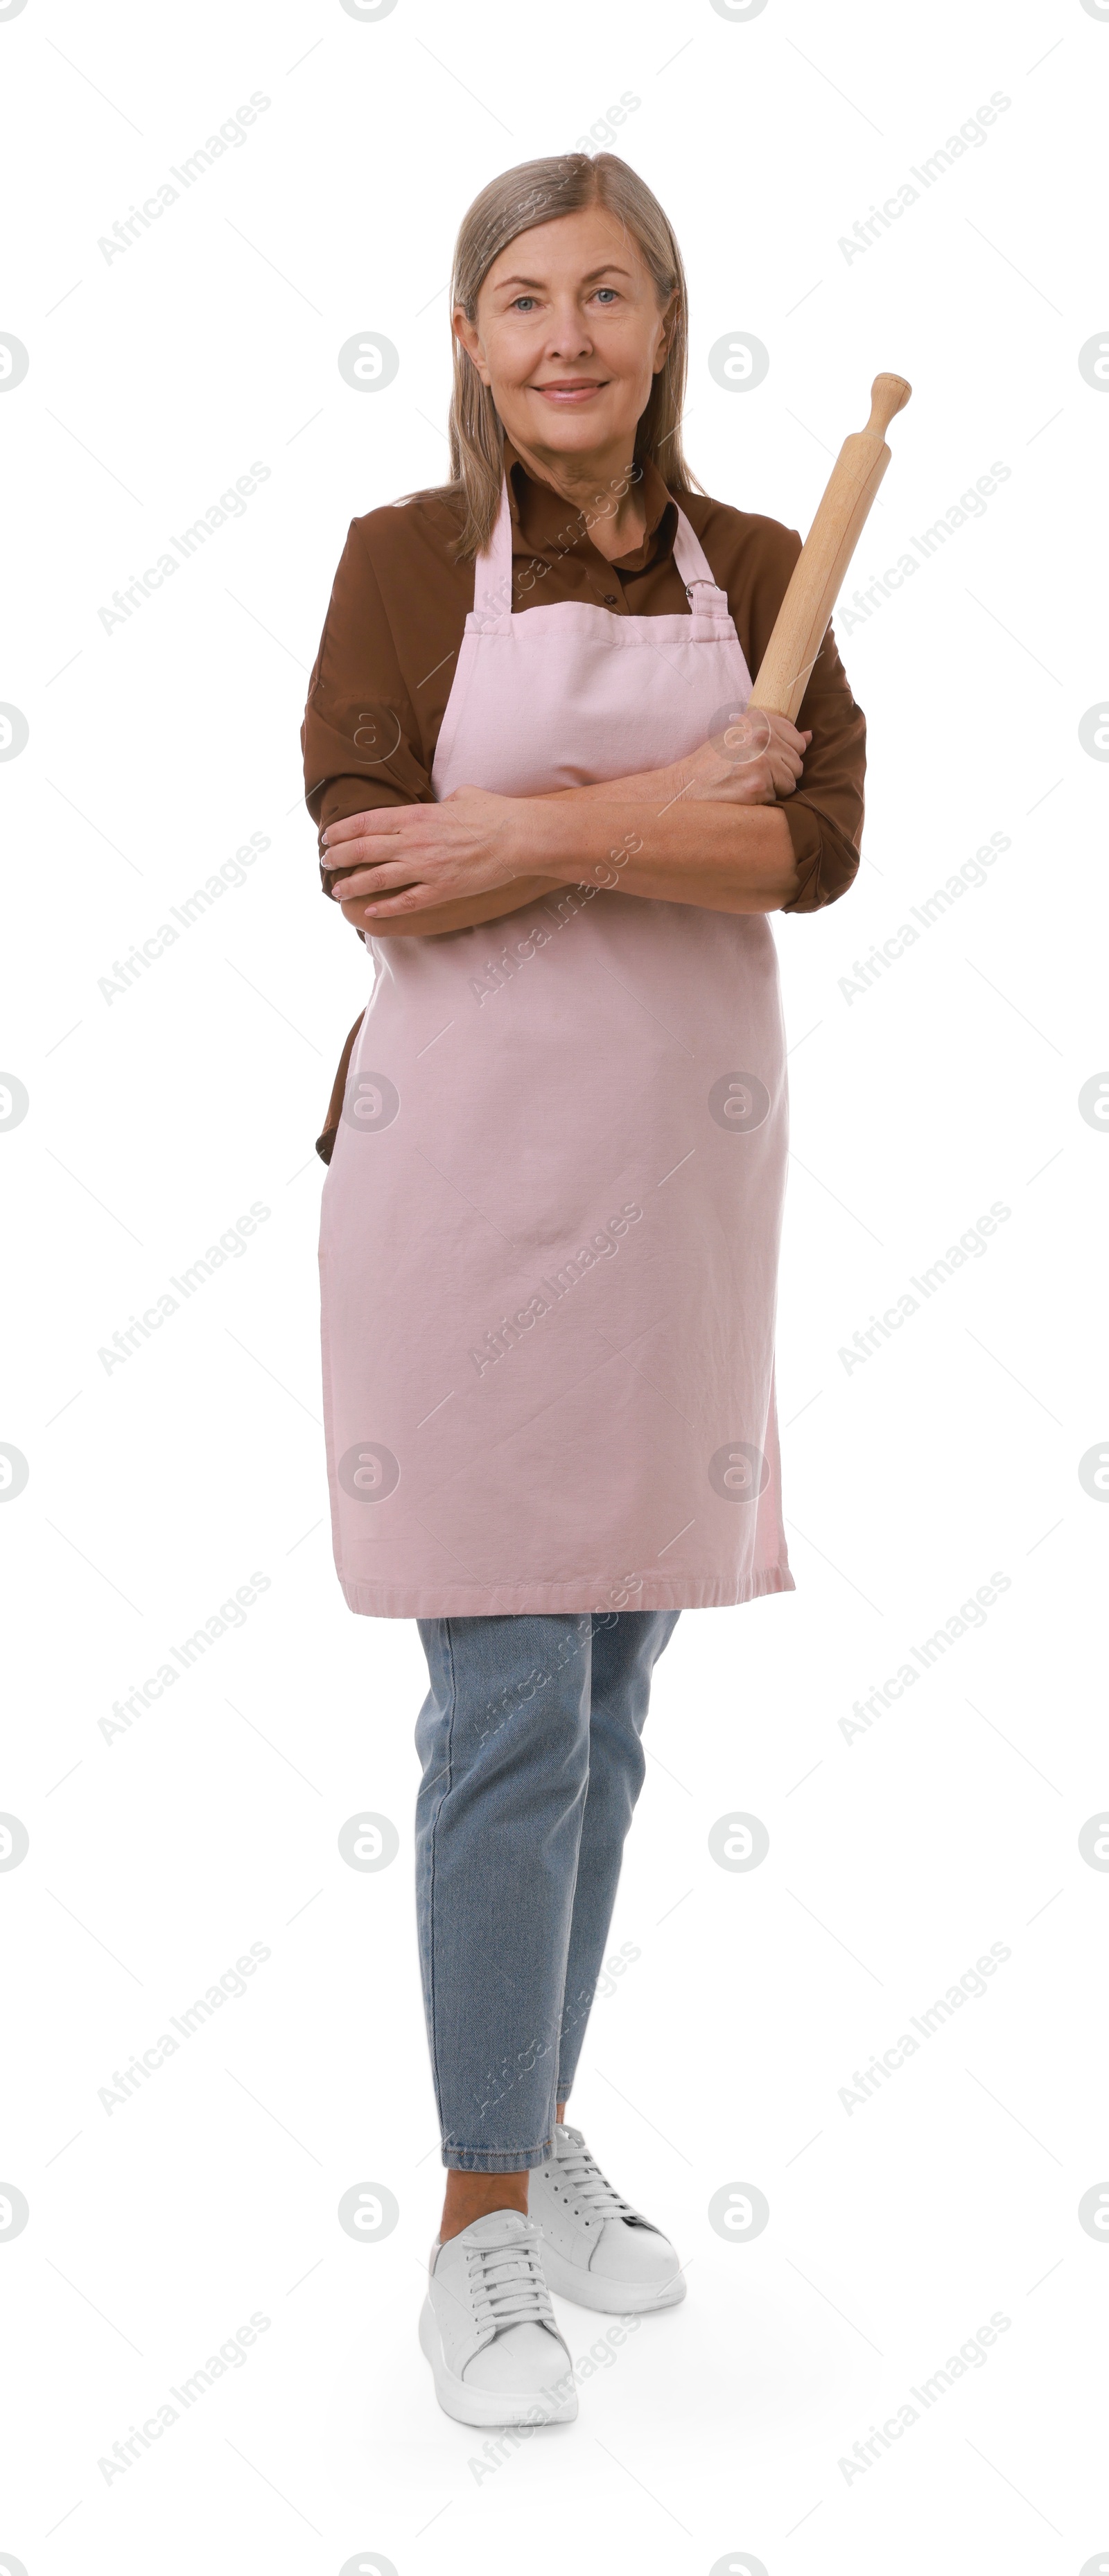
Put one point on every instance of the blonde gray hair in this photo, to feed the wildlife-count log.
(536, 192)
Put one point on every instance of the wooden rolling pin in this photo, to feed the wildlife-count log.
(821, 566)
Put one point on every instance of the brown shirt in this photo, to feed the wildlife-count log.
(387, 656)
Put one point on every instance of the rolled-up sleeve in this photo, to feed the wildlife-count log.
(359, 738)
(825, 811)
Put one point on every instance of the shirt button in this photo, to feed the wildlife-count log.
(610, 599)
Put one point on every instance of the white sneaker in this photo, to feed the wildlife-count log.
(488, 2328)
(596, 2249)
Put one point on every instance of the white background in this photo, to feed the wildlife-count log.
(156, 1118)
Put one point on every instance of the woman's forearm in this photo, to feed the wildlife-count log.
(723, 857)
(705, 830)
(467, 914)
(471, 910)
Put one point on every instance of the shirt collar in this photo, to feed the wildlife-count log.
(549, 524)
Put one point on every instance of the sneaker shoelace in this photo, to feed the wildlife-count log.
(508, 2284)
(579, 2177)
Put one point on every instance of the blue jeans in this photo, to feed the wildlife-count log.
(532, 1763)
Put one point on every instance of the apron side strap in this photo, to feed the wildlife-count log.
(325, 1142)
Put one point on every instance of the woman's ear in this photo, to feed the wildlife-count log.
(668, 322)
(467, 333)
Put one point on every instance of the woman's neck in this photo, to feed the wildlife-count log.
(596, 485)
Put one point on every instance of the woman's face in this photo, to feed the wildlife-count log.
(569, 335)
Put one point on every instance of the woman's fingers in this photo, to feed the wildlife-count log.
(785, 736)
(367, 880)
(753, 760)
(402, 899)
(359, 855)
(362, 840)
(414, 899)
(785, 755)
(356, 827)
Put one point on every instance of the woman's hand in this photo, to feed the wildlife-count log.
(415, 858)
(750, 759)
(755, 759)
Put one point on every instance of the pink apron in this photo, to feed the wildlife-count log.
(550, 1223)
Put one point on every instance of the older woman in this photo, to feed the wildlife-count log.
(557, 1149)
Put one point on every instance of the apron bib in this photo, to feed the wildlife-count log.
(550, 1223)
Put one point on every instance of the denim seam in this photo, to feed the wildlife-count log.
(431, 1885)
(587, 1649)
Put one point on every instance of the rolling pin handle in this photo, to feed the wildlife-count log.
(888, 394)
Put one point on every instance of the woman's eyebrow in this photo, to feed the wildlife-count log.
(609, 269)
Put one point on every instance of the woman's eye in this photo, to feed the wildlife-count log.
(607, 290)
(519, 300)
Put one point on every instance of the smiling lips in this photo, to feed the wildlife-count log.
(570, 391)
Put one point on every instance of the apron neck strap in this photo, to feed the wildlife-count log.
(689, 554)
(493, 572)
(493, 567)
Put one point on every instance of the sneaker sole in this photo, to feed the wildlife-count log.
(488, 2407)
(613, 2298)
